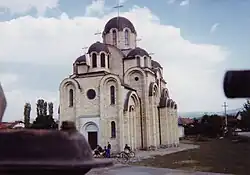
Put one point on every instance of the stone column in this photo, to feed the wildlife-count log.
(135, 129)
(171, 126)
(168, 127)
(177, 128)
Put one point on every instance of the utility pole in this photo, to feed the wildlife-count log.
(225, 111)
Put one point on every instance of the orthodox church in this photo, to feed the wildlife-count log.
(117, 94)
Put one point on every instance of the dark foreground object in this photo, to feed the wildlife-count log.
(49, 152)
(237, 84)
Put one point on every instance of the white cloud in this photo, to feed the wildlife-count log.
(122, 1)
(171, 1)
(8, 79)
(193, 71)
(96, 8)
(23, 6)
(184, 3)
(214, 27)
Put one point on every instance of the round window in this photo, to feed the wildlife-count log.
(136, 78)
(91, 94)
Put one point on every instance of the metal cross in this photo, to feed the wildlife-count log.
(98, 33)
(84, 49)
(118, 6)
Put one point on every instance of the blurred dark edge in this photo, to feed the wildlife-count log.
(237, 84)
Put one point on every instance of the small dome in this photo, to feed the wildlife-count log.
(81, 59)
(137, 51)
(98, 47)
(155, 64)
(118, 23)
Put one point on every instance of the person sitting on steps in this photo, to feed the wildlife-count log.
(98, 151)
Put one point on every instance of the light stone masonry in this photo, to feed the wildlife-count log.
(117, 94)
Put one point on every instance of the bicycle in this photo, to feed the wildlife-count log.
(131, 154)
(125, 156)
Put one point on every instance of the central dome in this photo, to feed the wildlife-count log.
(119, 23)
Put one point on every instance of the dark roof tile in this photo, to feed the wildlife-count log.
(119, 23)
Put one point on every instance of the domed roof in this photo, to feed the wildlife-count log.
(119, 23)
(137, 51)
(81, 59)
(155, 64)
(98, 47)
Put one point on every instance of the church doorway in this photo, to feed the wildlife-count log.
(91, 130)
(92, 139)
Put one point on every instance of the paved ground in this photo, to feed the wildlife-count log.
(140, 155)
(247, 134)
(139, 170)
(119, 169)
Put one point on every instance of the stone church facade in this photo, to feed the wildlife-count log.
(117, 94)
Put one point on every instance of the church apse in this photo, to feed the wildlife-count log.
(169, 128)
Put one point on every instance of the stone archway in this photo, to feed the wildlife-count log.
(91, 132)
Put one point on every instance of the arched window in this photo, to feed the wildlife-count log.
(113, 130)
(145, 62)
(114, 37)
(112, 95)
(138, 61)
(94, 60)
(71, 97)
(102, 60)
(108, 62)
(126, 37)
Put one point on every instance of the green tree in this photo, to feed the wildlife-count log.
(51, 108)
(26, 113)
(43, 120)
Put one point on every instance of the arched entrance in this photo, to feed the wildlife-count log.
(92, 134)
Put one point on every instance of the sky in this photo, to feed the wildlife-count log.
(195, 41)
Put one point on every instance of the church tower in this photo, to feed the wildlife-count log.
(120, 32)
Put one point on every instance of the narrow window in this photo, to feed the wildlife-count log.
(126, 37)
(94, 60)
(145, 62)
(138, 61)
(112, 95)
(102, 60)
(113, 130)
(108, 62)
(71, 96)
(114, 38)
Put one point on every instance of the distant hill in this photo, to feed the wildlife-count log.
(200, 114)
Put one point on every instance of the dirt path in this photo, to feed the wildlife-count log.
(221, 156)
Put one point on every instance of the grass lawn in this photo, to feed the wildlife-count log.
(221, 156)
